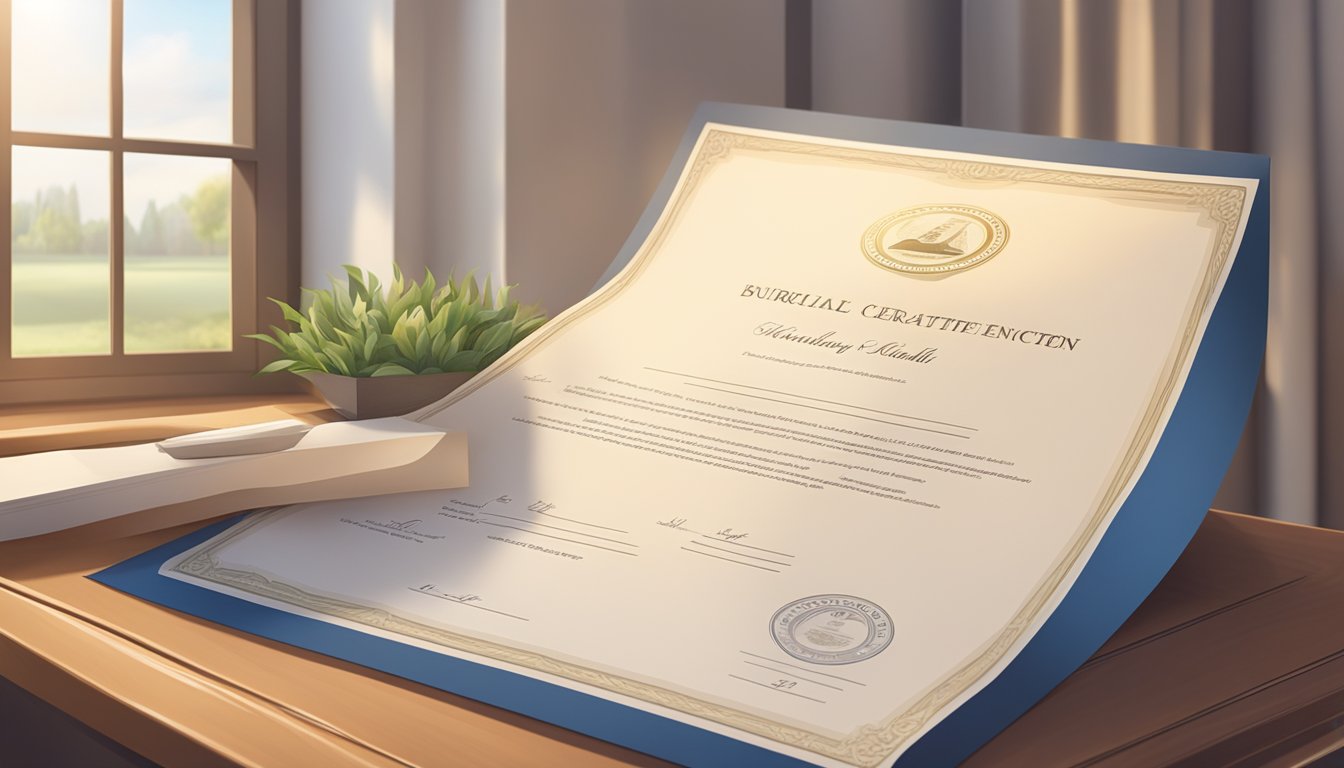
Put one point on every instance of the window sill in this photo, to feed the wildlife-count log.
(60, 426)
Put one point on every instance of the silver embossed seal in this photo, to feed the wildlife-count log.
(831, 629)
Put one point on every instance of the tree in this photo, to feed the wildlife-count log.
(20, 218)
(179, 237)
(209, 212)
(51, 224)
(149, 238)
(54, 223)
(94, 236)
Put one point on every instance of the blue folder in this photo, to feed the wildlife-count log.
(1147, 535)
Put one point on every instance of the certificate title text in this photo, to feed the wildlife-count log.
(909, 317)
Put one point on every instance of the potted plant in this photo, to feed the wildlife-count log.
(374, 350)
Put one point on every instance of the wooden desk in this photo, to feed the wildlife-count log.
(1236, 659)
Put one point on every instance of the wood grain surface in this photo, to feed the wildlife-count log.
(1237, 658)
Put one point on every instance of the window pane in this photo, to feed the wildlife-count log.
(61, 268)
(177, 72)
(60, 77)
(177, 253)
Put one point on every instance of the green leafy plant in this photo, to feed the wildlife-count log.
(362, 328)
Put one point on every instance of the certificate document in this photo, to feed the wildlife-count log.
(815, 466)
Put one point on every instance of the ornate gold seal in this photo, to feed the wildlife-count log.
(934, 240)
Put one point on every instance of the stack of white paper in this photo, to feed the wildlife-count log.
(46, 492)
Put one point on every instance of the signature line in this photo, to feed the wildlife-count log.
(547, 514)
(560, 538)
(472, 605)
(730, 560)
(748, 546)
(773, 688)
(558, 528)
(731, 552)
(680, 528)
(801, 669)
(580, 522)
(790, 674)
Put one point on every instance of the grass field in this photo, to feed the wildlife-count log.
(173, 304)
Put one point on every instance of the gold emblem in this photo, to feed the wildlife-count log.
(934, 240)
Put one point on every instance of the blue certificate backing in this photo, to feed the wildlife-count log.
(1151, 529)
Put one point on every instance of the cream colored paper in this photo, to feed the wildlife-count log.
(742, 487)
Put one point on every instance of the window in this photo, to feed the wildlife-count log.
(148, 175)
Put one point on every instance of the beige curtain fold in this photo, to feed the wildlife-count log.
(1241, 75)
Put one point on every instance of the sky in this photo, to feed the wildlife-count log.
(177, 79)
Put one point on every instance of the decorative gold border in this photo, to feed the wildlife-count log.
(1223, 204)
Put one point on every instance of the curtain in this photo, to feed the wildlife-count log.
(1261, 76)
